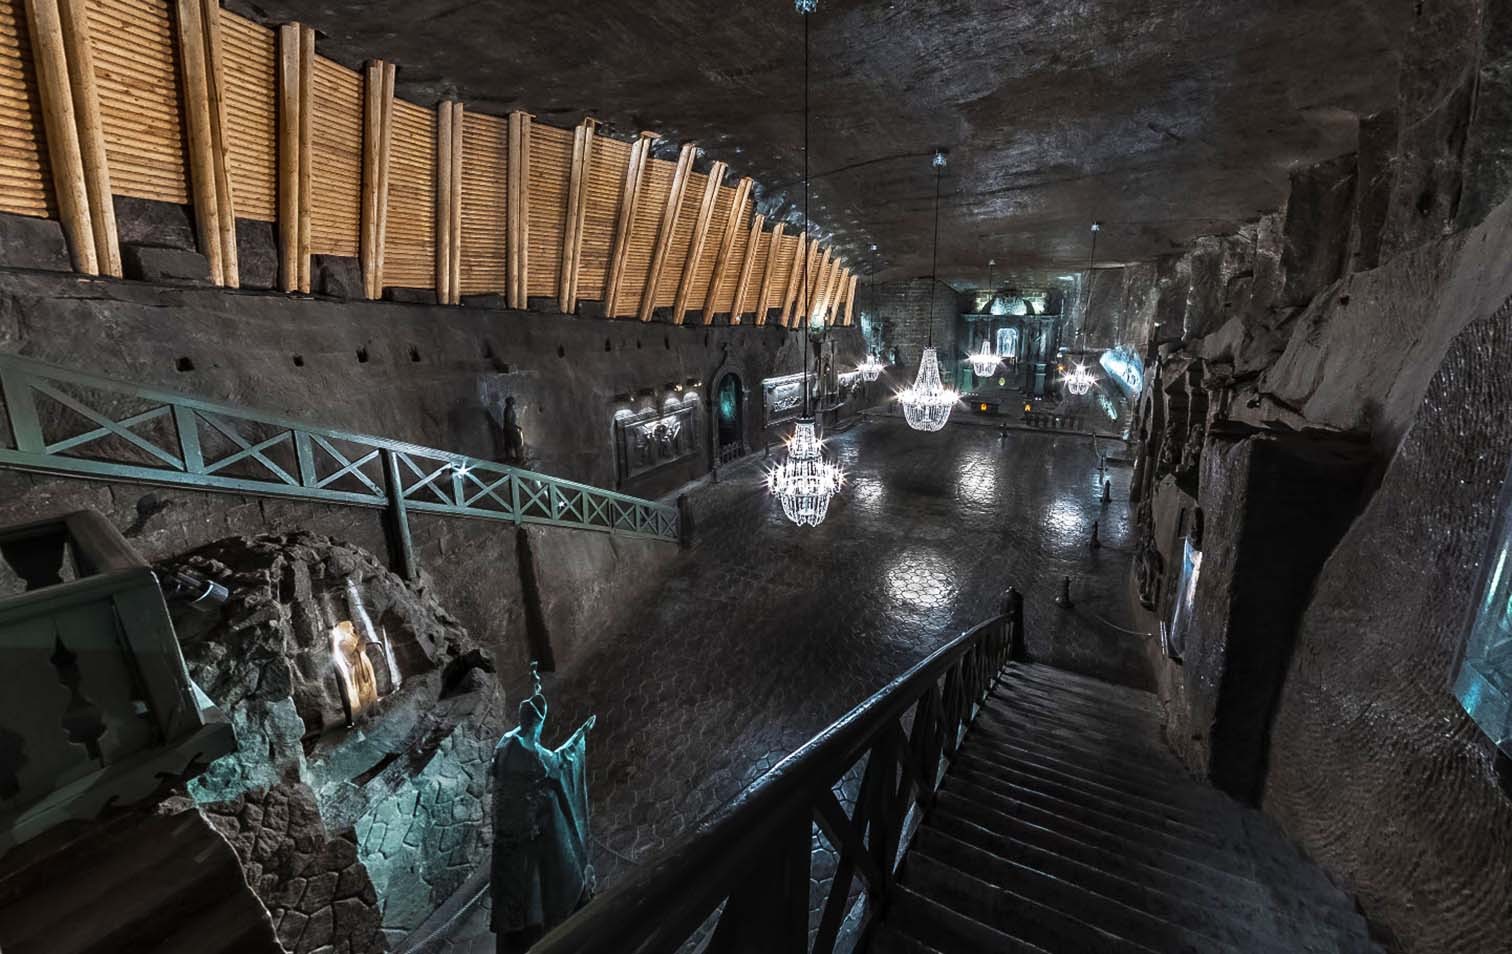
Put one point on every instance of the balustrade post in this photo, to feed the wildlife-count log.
(398, 518)
(1013, 608)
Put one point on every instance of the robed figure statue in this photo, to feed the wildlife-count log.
(540, 872)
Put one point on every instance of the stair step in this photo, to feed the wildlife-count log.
(1167, 801)
(1099, 699)
(929, 922)
(1133, 910)
(1062, 680)
(1015, 914)
(886, 940)
(1035, 754)
(1127, 742)
(1217, 829)
(1189, 842)
(1174, 874)
(988, 811)
(1115, 761)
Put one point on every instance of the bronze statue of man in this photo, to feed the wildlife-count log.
(540, 871)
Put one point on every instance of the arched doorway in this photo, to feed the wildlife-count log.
(729, 417)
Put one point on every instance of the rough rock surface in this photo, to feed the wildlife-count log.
(155, 263)
(1375, 768)
(27, 242)
(350, 836)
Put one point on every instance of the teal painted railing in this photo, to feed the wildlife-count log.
(82, 425)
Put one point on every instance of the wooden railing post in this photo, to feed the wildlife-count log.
(1013, 608)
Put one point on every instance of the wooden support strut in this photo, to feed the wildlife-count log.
(726, 245)
(829, 301)
(764, 297)
(790, 294)
(377, 107)
(577, 214)
(743, 280)
(195, 75)
(49, 54)
(86, 102)
(444, 147)
(699, 238)
(850, 301)
(296, 59)
(818, 285)
(517, 212)
(625, 222)
(455, 281)
(664, 231)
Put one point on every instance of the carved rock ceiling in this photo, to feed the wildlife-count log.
(1166, 119)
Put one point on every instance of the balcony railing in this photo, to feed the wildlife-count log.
(751, 864)
(97, 708)
(83, 425)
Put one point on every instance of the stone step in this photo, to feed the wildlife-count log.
(1101, 698)
(1170, 871)
(1167, 801)
(1128, 727)
(1189, 842)
(987, 810)
(1138, 911)
(1049, 928)
(1144, 764)
(1122, 741)
(886, 940)
(1034, 750)
(936, 925)
(1064, 680)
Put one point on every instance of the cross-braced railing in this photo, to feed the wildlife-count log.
(749, 868)
(82, 425)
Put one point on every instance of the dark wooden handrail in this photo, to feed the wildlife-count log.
(754, 855)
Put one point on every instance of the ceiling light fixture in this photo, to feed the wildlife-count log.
(805, 481)
(927, 405)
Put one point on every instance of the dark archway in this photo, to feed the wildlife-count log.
(729, 417)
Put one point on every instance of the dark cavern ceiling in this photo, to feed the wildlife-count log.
(1166, 119)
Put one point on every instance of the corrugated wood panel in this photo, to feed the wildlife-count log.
(485, 193)
(336, 160)
(784, 270)
(550, 176)
(656, 186)
(409, 245)
(712, 243)
(136, 68)
(25, 179)
(606, 183)
(249, 57)
(725, 300)
(758, 270)
(682, 238)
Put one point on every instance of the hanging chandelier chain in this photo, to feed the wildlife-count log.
(807, 318)
(1087, 303)
(934, 257)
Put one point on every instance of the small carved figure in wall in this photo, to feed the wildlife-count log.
(514, 438)
(540, 870)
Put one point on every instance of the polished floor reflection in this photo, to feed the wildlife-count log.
(768, 632)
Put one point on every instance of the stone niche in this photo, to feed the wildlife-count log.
(357, 801)
(1274, 506)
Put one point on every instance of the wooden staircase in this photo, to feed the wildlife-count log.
(1065, 825)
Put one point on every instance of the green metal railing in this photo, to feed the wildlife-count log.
(82, 425)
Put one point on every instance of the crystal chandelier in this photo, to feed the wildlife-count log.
(927, 405)
(984, 362)
(871, 368)
(1079, 382)
(805, 481)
